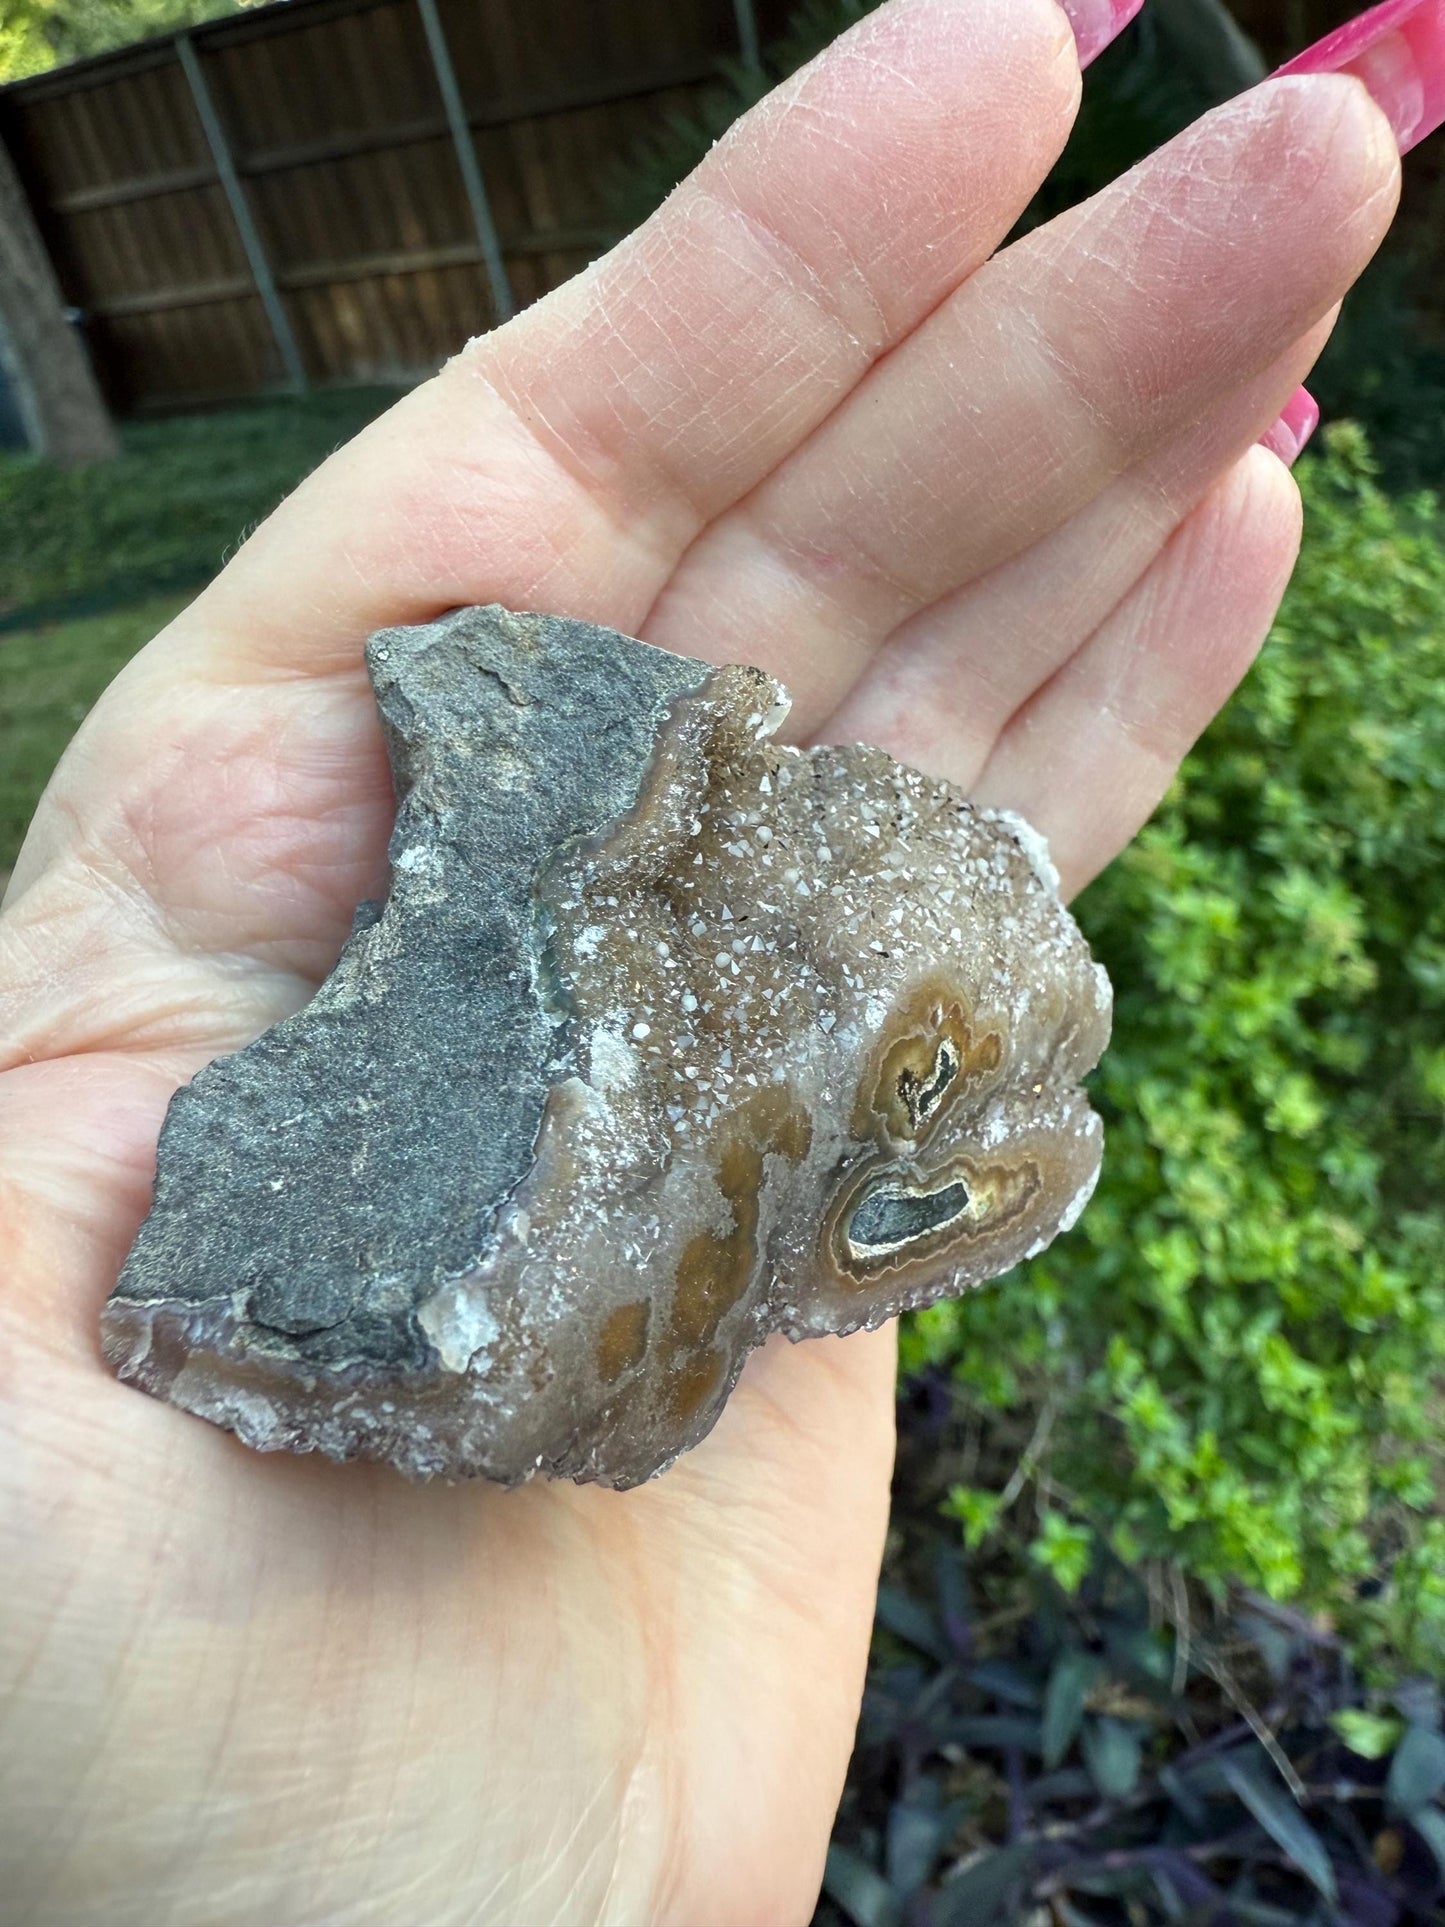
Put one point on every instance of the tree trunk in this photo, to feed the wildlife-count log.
(59, 400)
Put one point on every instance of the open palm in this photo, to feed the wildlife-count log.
(1003, 517)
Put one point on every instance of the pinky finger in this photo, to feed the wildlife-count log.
(1090, 754)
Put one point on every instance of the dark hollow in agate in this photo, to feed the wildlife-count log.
(667, 1036)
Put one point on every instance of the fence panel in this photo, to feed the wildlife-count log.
(338, 191)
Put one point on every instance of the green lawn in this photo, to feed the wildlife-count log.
(168, 512)
(93, 563)
(49, 678)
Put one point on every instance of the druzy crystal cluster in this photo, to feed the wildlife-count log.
(666, 1036)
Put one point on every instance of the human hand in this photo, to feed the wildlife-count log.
(1006, 520)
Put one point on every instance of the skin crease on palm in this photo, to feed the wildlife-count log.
(1007, 521)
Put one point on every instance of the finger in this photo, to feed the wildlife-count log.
(1088, 758)
(565, 461)
(1071, 358)
(194, 865)
(77, 1159)
(943, 686)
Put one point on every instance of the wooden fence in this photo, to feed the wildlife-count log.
(332, 191)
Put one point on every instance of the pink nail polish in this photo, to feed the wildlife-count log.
(1097, 22)
(1298, 421)
(1398, 51)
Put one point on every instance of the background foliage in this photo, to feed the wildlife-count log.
(1070, 1762)
(39, 34)
(1239, 1353)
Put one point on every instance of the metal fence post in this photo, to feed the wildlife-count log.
(241, 213)
(462, 141)
(747, 20)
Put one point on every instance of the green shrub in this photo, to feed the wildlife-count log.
(36, 35)
(1241, 1349)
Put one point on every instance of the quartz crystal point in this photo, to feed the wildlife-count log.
(666, 1037)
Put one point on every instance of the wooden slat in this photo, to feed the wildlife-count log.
(139, 187)
(587, 242)
(167, 300)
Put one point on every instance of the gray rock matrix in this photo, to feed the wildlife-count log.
(665, 1036)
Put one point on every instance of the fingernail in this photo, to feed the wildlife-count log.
(1398, 51)
(1298, 421)
(1097, 22)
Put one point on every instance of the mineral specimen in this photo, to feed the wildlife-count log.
(666, 1037)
